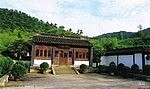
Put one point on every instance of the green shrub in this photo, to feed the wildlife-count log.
(102, 69)
(125, 71)
(135, 68)
(5, 64)
(146, 70)
(1, 72)
(120, 68)
(83, 68)
(27, 65)
(112, 68)
(18, 70)
(21, 63)
(44, 66)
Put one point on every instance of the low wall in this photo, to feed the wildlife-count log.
(3, 80)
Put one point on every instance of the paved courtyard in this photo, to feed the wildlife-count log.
(68, 81)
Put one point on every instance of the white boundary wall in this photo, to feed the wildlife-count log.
(127, 60)
(78, 63)
(38, 62)
(138, 60)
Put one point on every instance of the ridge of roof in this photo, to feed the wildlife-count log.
(63, 37)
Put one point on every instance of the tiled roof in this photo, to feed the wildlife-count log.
(57, 40)
(126, 51)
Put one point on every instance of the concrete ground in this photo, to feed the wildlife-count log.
(70, 81)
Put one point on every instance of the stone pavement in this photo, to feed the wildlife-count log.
(70, 81)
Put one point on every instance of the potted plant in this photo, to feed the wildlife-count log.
(18, 71)
(44, 66)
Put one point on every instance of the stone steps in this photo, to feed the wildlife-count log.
(64, 70)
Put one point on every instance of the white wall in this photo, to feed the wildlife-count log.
(138, 60)
(127, 60)
(38, 62)
(111, 59)
(78, 63)
(106, 60)
(103, 60)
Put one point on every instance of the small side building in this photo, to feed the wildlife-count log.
(128, 56)
(60, 50)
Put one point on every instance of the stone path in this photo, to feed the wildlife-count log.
(69, 81)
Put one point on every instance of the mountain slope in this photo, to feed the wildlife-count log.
(13, 19)
(125, 34)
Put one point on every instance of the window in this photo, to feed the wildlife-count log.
(49, 53)
(61, 53)
(45, 53)
(37, 52)
(84, 55)
(70, 53)
(41, 52)
(56, 53)
(65, 55)
(76, 54)
(87, 55)
(80, 54)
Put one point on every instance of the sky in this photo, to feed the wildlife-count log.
(94, 17)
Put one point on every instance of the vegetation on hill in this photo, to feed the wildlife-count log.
(16, 25)
(16, 28)
(125, 35)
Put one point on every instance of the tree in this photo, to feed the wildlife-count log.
(140, 33)
(17, 49)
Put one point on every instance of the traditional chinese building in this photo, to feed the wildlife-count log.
(60, 50)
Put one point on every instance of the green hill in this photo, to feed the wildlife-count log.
(15, 25)
(125, 35)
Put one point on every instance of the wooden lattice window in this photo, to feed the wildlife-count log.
(45, 53)
(37, 52)
(70, 53)
(49, 53)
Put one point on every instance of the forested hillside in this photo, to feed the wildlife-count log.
(125, 35)
(16, 25)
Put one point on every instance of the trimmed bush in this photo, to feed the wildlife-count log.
(125, 72)
(146, 70)
(21, 63)
(83, 68)
(102, 69)
(18, 71)
(27, 66)
(5, 64)
(44, 66)
(135, 68)
(112, 69)
(120, 68)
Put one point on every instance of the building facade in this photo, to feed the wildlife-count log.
(60, 50)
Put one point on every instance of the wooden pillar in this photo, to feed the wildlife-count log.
(73, 58)
(143, 60)
(133, 58)
(32, 54)
(53, 55)
(117, 60)
(91, 57)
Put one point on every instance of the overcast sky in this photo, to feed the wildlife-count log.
(94, 17)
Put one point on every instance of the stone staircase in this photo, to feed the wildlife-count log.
(64, 70)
